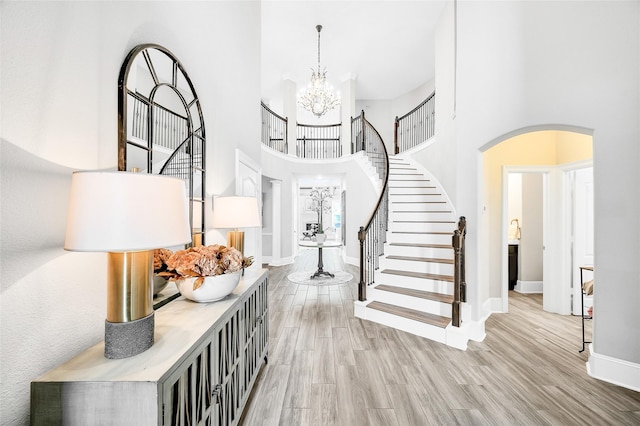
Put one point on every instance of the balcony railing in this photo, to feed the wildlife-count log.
(318, 141)
(325, 141)
(416, 126)
(274, 130)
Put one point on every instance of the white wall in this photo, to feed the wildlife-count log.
(532, 65)
(514, 207)
(439, 159)
(59, 66)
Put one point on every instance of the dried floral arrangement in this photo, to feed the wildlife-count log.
(201, 261)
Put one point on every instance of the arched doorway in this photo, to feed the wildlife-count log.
(552, 156)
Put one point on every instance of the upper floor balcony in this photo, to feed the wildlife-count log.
(330, 141)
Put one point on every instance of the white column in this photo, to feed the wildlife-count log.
(290, 107)
(347, 109)
(276, 239)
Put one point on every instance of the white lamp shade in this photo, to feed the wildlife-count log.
(121, 211)
(235, 212)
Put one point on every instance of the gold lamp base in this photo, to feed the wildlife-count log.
(129, 326)
(235, 239)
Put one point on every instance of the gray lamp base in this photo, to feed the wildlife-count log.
(125, 339)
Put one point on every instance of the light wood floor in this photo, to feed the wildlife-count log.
(328, 368)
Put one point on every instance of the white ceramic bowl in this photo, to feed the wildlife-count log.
(214, 288)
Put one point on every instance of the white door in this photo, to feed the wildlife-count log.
(582, 230)
(556, 259)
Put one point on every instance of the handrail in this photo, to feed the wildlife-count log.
(372, 236)
(416, 126)
(459, 281)
(274, 130)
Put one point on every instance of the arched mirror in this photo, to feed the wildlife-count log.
(160, 125)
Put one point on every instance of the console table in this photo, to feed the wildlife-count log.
(200, 370)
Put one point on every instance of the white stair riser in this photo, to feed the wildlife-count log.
(423, 216)
(417, 204)
(401, 193)
(406, 175)
(444, 287)
(403, 168)
(395, 182)
(410, 326)
(391, 250)
(416, 238)
(415, 303)
(401, 226)
(416, 266)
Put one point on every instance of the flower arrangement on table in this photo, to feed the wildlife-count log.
(199, 262)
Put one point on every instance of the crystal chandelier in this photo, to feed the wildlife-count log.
(318, 97)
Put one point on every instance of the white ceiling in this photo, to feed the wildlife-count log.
(387, 44)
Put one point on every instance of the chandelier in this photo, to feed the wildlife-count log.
(318, 96)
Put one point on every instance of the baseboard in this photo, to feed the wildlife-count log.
(528, 287)
(281, 261)
(491, 305)
(612, 370)
(355, 261)
(476, 330)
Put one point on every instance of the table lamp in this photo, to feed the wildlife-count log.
(235, 212)
(127, 215)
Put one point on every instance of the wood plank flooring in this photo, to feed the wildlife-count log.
(327, 367)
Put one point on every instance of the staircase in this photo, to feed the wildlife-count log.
(413, 289)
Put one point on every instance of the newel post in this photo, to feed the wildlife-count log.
(395, 136)
(362, 286)
(457, 249)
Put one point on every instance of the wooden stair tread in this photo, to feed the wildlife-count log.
(422, 259)
(443, 246)
(420, 211)
(422, 294)
(423, 221)
(417, 202)
(426, 318)
(423, 232)
(422, 275)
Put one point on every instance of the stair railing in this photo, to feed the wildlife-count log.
(373, 235)
(416, 126)
(459, 282)
(274, 130)
(187, 163)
